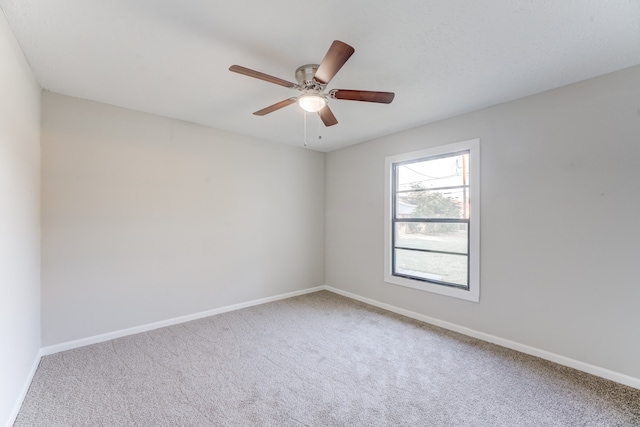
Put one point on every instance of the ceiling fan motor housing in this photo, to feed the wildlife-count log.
(304, 77)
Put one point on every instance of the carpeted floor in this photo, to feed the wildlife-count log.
(315, 360)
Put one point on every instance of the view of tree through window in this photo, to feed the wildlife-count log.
(431, 219)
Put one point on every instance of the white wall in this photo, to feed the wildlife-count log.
(147, 218)
(19, 223)
(560, 241)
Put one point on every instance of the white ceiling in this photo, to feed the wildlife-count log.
(441, 57)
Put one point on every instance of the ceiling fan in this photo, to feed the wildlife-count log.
(312, 82)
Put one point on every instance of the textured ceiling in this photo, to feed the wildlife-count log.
(441, 57)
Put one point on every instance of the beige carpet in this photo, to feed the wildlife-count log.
(315, 360)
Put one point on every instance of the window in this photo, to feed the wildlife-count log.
(432, 230)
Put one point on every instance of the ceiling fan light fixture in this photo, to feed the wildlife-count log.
(312, 102)
(312, 82)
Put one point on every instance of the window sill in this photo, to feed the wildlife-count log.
(450, 291)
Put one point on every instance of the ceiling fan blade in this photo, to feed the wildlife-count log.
(262, 76)
(327, 117)
(335, 58)
(274, 107)
(363, 95)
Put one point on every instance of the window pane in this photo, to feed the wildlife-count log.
(448, 171)
(452, 203)
(432, 266)
(432, 236)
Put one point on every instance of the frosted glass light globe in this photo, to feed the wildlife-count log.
(312, 103)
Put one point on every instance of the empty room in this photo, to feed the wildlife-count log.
(356, 213)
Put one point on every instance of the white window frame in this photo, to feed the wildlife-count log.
(473, 291)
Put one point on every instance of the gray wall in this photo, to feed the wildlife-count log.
(560, 241)
(146, 218)
(19, 222)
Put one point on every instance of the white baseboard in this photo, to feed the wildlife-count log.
(25, 388)
(543, 354)
(523, 348)
(169, 322)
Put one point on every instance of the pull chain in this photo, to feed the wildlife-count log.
(305, 128)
